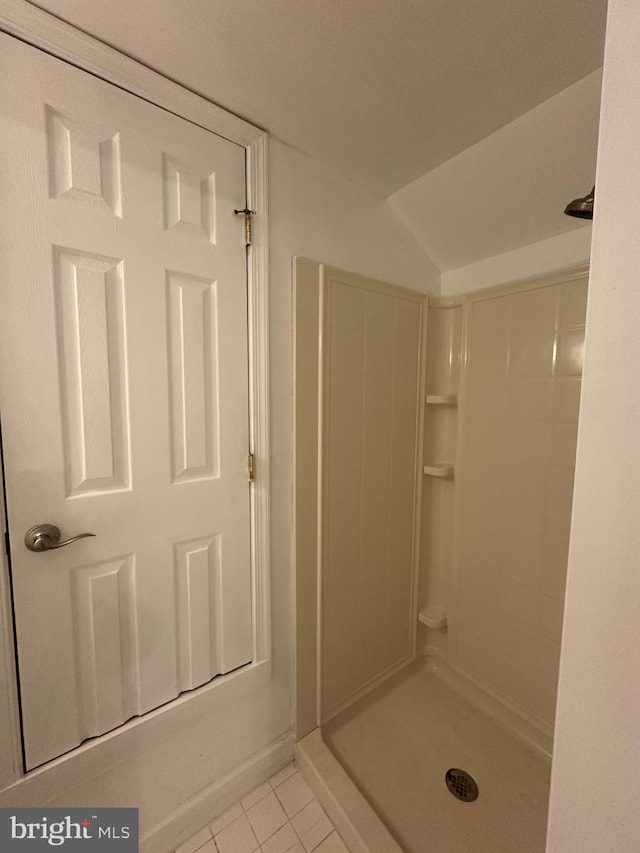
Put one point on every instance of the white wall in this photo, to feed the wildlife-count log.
(596, 769)
(317, 214)
(536, 259)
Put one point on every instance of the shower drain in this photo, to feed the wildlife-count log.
(461, 784)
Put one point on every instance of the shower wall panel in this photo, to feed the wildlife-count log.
(518, 443)
(371, 387)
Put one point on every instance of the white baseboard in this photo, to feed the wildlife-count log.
(215, 799)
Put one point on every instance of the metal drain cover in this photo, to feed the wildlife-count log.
(461, 784)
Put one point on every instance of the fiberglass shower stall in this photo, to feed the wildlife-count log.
(444, 433)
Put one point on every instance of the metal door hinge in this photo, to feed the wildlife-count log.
(247, 223)
(251, 466)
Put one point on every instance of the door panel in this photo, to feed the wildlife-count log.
(89, 292)
(124, 399)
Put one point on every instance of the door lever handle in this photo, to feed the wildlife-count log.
(46, 537)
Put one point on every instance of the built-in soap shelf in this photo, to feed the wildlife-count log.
(442, 399)
(433, 617)
(440, 469)
(440, 407)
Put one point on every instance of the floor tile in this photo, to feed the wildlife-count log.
(294, 794)
(279, 816)
(225, 819)
(266, 817)
(332, 844)
(283, 775)
(196, 841)
(256, 795)
(283, 840)
(238, 837)
(317, 834)
(307, 817)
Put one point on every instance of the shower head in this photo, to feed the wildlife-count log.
(582, 208)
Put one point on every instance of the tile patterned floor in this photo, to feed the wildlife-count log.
(280, 816)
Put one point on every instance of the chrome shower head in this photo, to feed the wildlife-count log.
(582, 208)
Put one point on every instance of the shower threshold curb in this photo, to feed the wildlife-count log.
(358, 824)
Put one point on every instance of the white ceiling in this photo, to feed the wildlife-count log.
(383, 90)
(510, 189)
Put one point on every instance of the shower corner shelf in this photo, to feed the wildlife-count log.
(442, 399)
(440, 469)
(433, 617)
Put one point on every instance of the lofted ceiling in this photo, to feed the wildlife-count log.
(510, 189)
(383, 90)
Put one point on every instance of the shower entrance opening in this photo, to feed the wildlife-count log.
(483, 439)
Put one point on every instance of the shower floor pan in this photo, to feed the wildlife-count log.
(398, 743)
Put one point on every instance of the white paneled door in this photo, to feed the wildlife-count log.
(124, 399)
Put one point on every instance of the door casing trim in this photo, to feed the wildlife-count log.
(45, 32)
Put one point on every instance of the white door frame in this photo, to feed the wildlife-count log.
(44, 31)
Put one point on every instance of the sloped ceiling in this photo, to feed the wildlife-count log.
(383, 90)
(510, 189)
